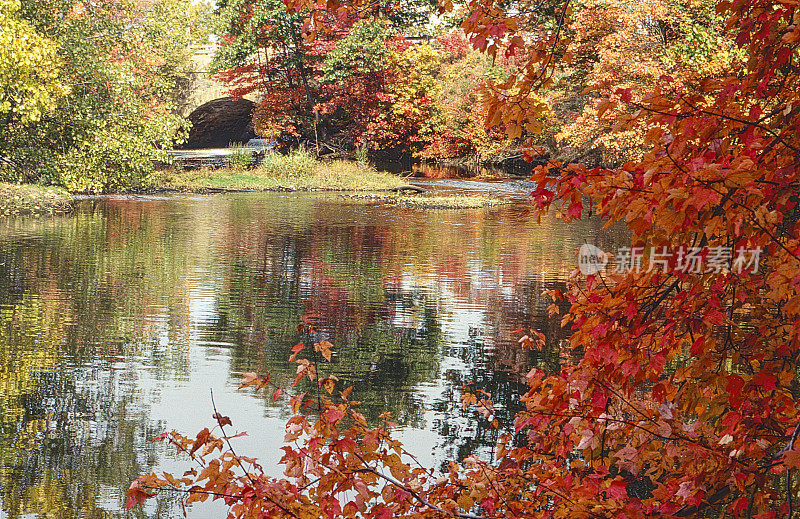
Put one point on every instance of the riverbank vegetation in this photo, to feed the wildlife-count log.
(99, 98)
(297, 171)
(90, 89)
(393, 85)
(33, 199)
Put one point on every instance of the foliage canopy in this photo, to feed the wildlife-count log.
(94, 88)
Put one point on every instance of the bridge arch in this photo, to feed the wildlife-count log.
(220, 123)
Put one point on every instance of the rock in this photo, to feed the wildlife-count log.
(413, 189)
(221, 122)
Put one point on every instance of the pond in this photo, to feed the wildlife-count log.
(116, 323)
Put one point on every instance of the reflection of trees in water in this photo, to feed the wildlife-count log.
(106, 271)
(360, 285)
(67, 435)
(332, 278)
(495, 364)
(118, 281)
(82, 462)
(71, 437)
(384, 362)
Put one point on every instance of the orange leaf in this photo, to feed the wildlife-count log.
(325, 348)
(791, 459)
(295, 350)
(346, 393)
(248, 379)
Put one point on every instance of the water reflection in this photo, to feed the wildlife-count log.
(116, 322)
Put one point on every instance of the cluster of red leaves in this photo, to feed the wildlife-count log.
(686, 396)
(454, 45)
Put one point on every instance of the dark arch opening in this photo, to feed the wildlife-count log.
(221, 122)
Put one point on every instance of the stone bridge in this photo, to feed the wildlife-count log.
(217, 120)
(199, 88)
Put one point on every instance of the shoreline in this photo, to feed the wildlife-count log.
(426, 199)
(299, 172)
(50, 200)
(34, 200)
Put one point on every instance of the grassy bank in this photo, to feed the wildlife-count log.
(30, 199)
(299, 171)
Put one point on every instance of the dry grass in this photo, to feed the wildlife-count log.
(299, 171)
(31, 199)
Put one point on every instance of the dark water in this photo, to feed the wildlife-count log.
(116, 322)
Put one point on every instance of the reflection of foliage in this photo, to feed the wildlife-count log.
(86, 455)
(121, 280)
(67, 436)
(26, 348)
(385, 364)
(261, 312)
(352, 262)
(61, 440)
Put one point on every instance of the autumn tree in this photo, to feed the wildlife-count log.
(382, 89)
(101, 80)
(29, 69)
(619, 45)
(357, 83)
(355, 72)
(460, 80)
(684, 399)
(263, 53)
(410, 117)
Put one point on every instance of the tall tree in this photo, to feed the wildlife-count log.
(621, 45)
(382, 89)
(345, 87)
(29, 69)
(263, 52)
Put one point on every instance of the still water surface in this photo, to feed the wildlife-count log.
(118, 321)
